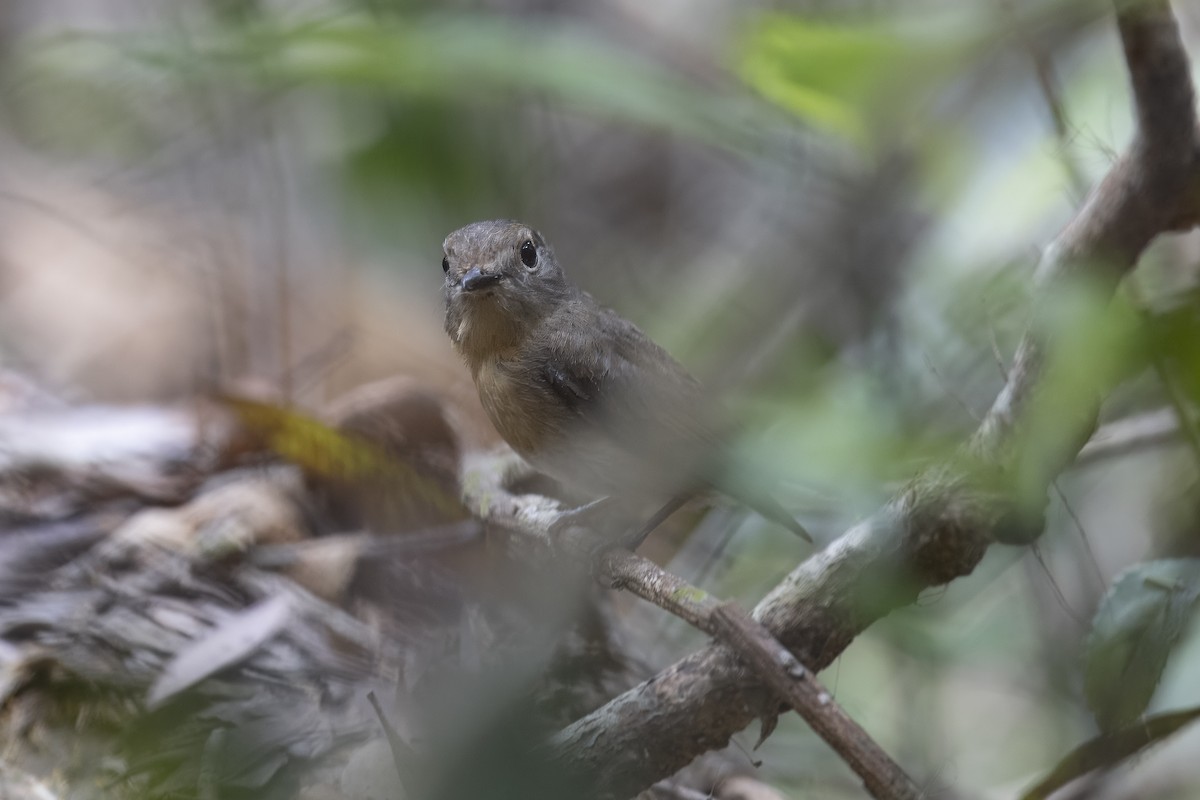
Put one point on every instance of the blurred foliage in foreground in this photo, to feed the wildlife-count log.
(829, 211)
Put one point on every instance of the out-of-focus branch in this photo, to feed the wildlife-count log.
(1151, 189)
(1184, 425)
(940, 525)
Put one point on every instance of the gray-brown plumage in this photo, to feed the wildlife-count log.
(580, 392)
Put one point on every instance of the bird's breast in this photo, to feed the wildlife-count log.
(532, 418)
(520, 409)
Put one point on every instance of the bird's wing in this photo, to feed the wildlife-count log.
(621, 386)
(618, 383)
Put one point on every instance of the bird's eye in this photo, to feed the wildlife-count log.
(445, 264)
(529, 254)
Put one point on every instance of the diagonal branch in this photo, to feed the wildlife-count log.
(770, 660)
(1151, 189)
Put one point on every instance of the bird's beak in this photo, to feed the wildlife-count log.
(477, 279)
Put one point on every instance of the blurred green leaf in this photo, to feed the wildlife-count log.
(1175, 337)
(1094, 342)
(1109, 749)
(59, 103)
(1137, 624)
(477, 57)
(837, 77)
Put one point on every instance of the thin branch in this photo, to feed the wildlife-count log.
(1110, 749)
(1083, 535)
(400, 750)
(1047, 79)
(777, 667)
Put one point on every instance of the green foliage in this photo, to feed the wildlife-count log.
(1138, 622)
(104, 116)
(841, 79)
(477, 58)
(1109, 749)
(1175, 337)
(1092, 344)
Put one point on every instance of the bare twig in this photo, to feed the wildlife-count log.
(1043, 67)
(777, 667)
(1083, 535)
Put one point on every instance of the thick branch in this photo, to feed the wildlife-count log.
(1161, 76)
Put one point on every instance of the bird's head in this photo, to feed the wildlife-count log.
(501, 279)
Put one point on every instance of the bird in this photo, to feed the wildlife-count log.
(578, 391)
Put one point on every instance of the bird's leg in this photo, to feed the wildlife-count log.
(607, 513)
(634, 540)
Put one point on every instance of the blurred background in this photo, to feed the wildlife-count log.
(829, 211)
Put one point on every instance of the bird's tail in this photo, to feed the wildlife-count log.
(753, 497)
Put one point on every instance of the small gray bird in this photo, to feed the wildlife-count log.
(580, 392)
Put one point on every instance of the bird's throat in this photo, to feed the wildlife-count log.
(484, 332)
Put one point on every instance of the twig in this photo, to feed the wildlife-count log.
(396, 743)
(657, 518)
(1061, 598)
(1167, 377)
(1083, 535)
(1110, 749)
(777, 667)
(1043, 68)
